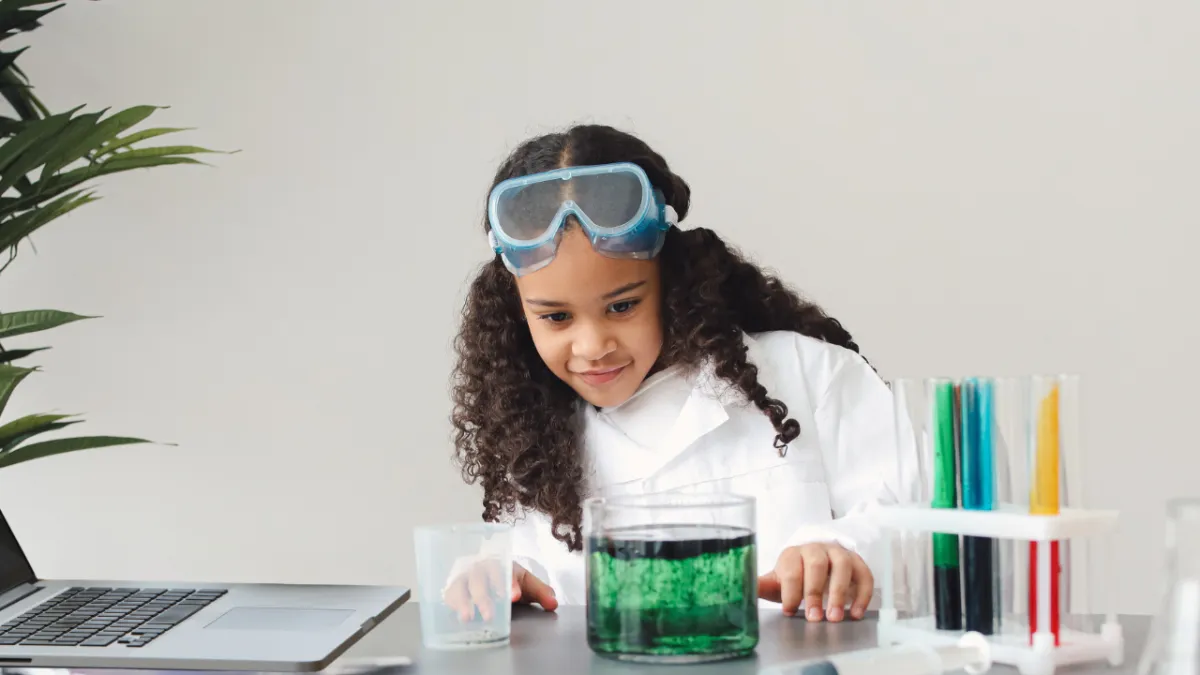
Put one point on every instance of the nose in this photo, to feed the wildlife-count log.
(592, 343)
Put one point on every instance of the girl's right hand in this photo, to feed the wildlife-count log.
(528, 589)
(480, 584)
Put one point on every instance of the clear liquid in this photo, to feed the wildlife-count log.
(675, 593)
(444, 628)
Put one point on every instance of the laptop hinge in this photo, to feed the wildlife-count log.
(17, 594)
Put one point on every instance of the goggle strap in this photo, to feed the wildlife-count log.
(670, 215)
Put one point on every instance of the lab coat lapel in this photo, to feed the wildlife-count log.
(712, 403)
(700, 415)
(618, 460)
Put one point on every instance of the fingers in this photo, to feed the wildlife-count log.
(816, 576)
(533, 589)
(458, 598)
(841, 574)
(477, 585)
(768, 587)
(865, 586)
(790, 572)
(804, 574)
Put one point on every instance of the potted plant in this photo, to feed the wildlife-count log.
(48, 162)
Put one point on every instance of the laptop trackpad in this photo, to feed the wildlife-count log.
(280, 618)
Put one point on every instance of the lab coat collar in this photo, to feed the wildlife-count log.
(708, 406)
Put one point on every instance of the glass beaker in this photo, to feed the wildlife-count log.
(671, 577)
(464, 573)
(1173, 647)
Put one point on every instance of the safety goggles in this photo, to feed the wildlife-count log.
(618, 209)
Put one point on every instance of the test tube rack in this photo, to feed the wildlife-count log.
(1031, 656)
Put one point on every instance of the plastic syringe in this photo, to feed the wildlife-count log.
(972, 654)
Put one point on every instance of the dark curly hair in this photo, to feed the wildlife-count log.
(516, 427)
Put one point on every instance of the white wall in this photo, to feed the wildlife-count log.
(970, 187)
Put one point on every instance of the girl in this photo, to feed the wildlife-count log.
(605, 350)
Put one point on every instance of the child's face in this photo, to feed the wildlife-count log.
(595, 320)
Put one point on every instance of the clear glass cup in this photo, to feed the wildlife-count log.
(464, 577)
(672, 577)
(1173, 646)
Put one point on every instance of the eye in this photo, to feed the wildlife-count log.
(623, 307)
(555, 317)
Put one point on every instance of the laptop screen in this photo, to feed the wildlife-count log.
(14, 566)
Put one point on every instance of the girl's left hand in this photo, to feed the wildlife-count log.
(806, 572)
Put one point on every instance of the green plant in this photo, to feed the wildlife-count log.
(47, 161)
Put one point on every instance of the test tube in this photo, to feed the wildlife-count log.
(926, 422)
(912, 552)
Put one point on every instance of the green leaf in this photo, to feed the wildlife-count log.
(145, 134)
(10, 126)
(22, 19)
(35, 320)
(105, 131)
(161, 151)
(19, 94)
(52, 187)
(17, 440)
(119, 163)
(10, 377)
(11, 355)
(49, 189)
(15, 229)
(46, 147)
(58, 446)
(9, 5)
(27, 424)
(7, 58)
(56, 146)
(34, 131)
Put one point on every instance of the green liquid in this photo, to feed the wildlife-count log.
(673, 593)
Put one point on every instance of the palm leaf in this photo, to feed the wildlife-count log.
(11, 355)
(123, 161)
(160, 151)
(58, 446)
(35, 320)
(10, 126)
(120, 163)
(91, 139)
(7, 58)
(37, 432)
(19, 94)
(10, 377)
(34, 131)
(22, 426)
(9, 5)
(22, 19)
(16, 229)
(49, 147)
(145, 134)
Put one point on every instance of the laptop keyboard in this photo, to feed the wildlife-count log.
(99, 617)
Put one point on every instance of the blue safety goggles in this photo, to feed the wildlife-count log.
(618, 209)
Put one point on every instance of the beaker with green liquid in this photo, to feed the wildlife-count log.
(672, 577)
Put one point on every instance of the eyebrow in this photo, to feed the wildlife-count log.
(607, 296)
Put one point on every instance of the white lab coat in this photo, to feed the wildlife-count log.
(696, 433)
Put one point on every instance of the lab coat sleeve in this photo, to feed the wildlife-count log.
(526, 552)
(864, 468)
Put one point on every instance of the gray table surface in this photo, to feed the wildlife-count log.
(545, 643)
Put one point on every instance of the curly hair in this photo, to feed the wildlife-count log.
(516, 427)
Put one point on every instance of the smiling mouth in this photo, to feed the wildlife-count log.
(600, 377)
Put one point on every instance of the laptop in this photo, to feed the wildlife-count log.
(178, 626)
